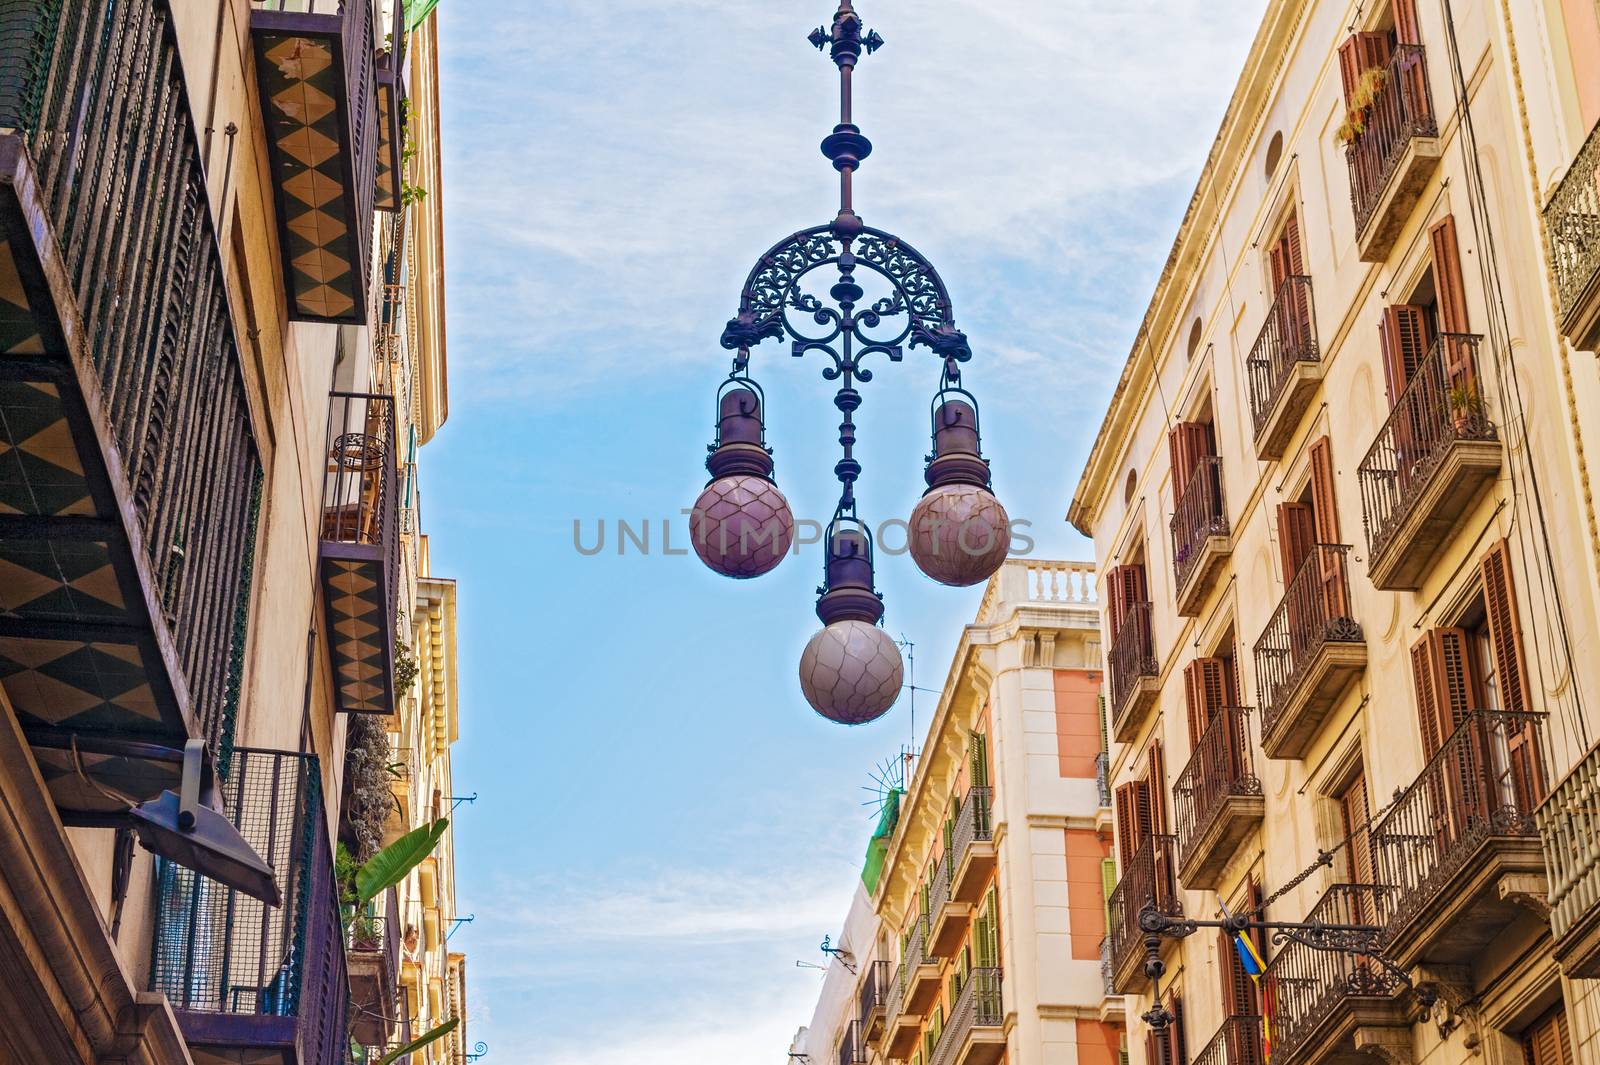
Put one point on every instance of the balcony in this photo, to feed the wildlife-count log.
(1460, 845)
(1309, 653)
(249, 982)
(852, 1048)
(314, 62)
(1435, 453)
(947, 917)
(372, 952)
(920, 971)
(1330, 1005)
(1237, 1042)
(361, 549)
(1284, 368)
(1569, 825)
(391, 124)
(902, 1027)
(973, 849)
(1572, 221)
(974, 1034)
(1201, 539)
(873, 1001)
(129, 472)
(1393, 158)
(1135, 673)
(1217, 798)
(1149, 880)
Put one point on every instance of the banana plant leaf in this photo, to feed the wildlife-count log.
(389, 866)
(417, 1044)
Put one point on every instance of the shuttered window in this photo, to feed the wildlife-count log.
(1126, 588)
(1406, 334)
(1323, 502)
(1205, 693)
(1134, 824)
(1446, 685)
(1297, 535)
(1548, 1040)
(1359, 53)
(1108, 884)
(1355, 816)
(1511, 668)
(1157, 787)
(1188, 444)
(978, 757)
(1406, 29)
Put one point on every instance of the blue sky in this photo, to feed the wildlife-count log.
(664, 827)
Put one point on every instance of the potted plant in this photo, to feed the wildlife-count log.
(1359, 109)
(1466, 406)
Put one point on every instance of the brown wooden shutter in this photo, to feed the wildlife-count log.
(1188, 443)
(1360, 52)
(1180, 1038)
(1407, 334)
(1426, 688)
(1205, 691)
(1114, 597)
(1405, 22)
(1293, 255)
(1548, 1041)
(1297, 536)
(1447, 283)
(1125, 586)
(1235, 982)
(1505, 631)
(1158, 789)
(1355, 815)
(1322, 491)
(1127, 806)
(1446, 685)
(1278, 263)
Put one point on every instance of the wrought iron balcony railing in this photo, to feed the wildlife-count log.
(873, 996)
(1572, 220)
(974, 824)
(1108, 979)
(1402, 110)
(1102, 778)
(1288, 337)
(1200, 515)
(1132, 657)
(133, 475)
(372, 945)
(1310, 987)
(977, 1006)
(852, 1048)
(1569, 826)
(1149, 879)
(1484, 782)
(1442, 404)
(1237, 1042)
(1314, 611)
(239, 973)
(1221, 768)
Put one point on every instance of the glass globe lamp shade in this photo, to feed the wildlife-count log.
(851, 672)
(959, 534)
(741, 526)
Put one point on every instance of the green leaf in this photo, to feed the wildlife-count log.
(389, 866)
(417, 1044)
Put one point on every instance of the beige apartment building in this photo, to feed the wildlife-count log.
(222, 341)
(1342, 503)
(976, 938)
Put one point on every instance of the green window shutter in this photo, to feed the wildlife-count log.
(978, 751)
(1105, 743)
(1108, 884)
(986, 933)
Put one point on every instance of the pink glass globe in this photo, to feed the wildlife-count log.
(959, 534)
(741, 526)
(851, 672)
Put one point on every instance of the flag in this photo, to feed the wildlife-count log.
(1251, 962)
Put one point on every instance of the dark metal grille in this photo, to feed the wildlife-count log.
(359, 494)
(1149, 879)
(1102, 778)
(1403, 109)
(1485, 781)
(98, 90)
(852, 1048)
(1572, 219)
(874, 990)
(1437, 408)
(1221, 767)
(973, 824)
(1310, 985)
(1199, 516)
(939, 884)
(977, 1006)
(1132, 656)
(1314, 611)
(1289, 336)
(1237, 1042)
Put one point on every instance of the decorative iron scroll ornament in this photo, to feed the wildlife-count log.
(1363, 940)
(812, 289)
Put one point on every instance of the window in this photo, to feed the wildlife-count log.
(1548, 1040)
(1274, 154)
(1131, 487)
(1438, 305)
(1355, 816)
(1194, 338)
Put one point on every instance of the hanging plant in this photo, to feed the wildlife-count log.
(369, 799)
(1366, 92)
(405, 670)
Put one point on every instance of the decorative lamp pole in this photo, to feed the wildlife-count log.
(851, 671)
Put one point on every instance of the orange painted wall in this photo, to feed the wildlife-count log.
(1583, 42)
(1085, 891)
(1098, 1044)
(1077, 721)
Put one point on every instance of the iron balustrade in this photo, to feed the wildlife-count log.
(1102, 778)
(916, 951)
(974, 823)
(1150, 879)
(97, 93)
(895, 1000)
(1237, 1042)
(1315, 610)
(1484, 782)
(852, 1049)
(1132, 656)
(1310, 985)
(1401, 110)
(978, 1005)
(1108, 972)
(1572, 219)
(1440, 405)
(1221, 767)
(1288, 337)
(1199, 516)
(939, 885)
(1569, 826)
(217, 951)
(874, 990)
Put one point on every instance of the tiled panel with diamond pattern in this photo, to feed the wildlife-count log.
(303, 93)
(356, 604)
(391, 135)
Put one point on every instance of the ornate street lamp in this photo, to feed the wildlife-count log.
(851, 671)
